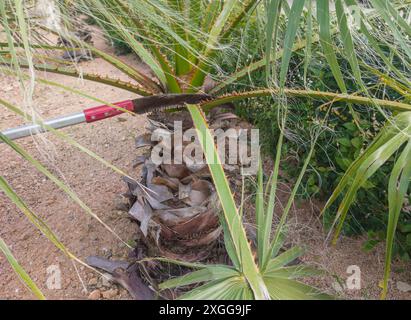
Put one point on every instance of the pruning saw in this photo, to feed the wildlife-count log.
(139, 106)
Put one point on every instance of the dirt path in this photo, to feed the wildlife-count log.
(97, 186)
(113, 139)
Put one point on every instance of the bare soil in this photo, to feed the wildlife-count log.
(98, 186)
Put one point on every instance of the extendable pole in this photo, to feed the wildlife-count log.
(86, 116)
(139, 106)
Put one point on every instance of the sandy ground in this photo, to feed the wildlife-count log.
(113, 139)
(97, 186)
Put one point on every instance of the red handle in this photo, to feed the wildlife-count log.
(103, 112)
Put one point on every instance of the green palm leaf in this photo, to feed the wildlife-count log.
(25, 278)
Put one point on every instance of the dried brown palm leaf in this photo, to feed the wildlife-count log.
(178, 212)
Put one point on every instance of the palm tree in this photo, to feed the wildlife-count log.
(182, 42)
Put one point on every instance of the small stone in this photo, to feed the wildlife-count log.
(95, 295)
(110, 294)
(107, 253)
(403, 286)
(93, 282)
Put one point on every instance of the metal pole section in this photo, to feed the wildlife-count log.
(87, 115)
(56, 123)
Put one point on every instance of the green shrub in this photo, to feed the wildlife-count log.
(341, 142)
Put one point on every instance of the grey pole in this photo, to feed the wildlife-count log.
(56, 123)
